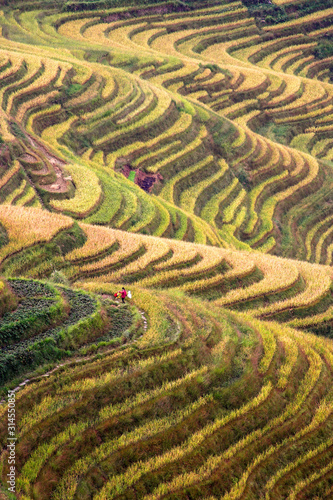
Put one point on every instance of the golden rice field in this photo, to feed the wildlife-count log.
(214, 380)
(183, 150)
(231, 110)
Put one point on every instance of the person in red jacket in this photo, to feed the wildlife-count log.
(123, 294)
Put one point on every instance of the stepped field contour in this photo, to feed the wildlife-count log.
(181, 150)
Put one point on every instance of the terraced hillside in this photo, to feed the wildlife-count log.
(220, 112)
(293, 292)
(170, 148)
(174, 396)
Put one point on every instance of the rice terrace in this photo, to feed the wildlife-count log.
(181, 150)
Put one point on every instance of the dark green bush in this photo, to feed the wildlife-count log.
(324, 49)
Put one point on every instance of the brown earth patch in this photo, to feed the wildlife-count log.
(54, 160)
(143, 180)
(28, 158)
(5, 156)
(61, 185)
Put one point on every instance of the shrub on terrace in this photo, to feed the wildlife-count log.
(311, 6)
(266, 11)
(324, 49)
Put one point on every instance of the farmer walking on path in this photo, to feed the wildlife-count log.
(123, 295)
